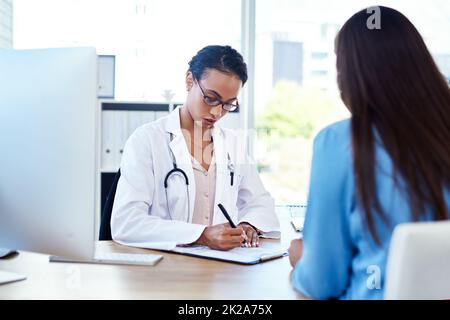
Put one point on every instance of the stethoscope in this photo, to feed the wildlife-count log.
(178, 171)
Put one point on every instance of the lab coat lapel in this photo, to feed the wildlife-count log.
(181, 154)
(221, 168)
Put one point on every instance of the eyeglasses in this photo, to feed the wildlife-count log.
(214, 101)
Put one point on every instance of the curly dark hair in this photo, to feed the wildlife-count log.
(222, 58)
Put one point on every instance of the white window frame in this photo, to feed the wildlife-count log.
(248, 27)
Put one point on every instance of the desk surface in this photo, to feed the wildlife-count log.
(174, 277)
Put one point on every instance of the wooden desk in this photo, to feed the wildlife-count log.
(174, 277)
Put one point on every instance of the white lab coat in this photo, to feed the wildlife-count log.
(140, 216)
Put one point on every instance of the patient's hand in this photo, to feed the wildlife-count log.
(222, 237)
(295, 251)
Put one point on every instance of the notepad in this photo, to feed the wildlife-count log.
(236, 255)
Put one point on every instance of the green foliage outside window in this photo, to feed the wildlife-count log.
(294, 111)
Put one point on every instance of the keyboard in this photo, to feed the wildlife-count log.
(296, 212)
(128, 258)
(139, 259)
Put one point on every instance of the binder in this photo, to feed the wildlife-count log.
(107, 154)
(160, 114)
(139, 118)
(120, 135)
(147, 116)
(134, 121)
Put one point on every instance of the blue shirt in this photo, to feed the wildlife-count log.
(340, 258)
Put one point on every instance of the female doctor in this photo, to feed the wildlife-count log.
(176, 170)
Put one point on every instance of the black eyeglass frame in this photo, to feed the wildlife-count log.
(230, 107)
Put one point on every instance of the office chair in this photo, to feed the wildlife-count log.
(105, 224)
(419, 262)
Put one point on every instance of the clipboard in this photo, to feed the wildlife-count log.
(245, 256)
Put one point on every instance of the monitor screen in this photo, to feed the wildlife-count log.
(48, 141)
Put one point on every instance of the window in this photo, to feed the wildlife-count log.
(6, 9)
(291, 54)
(152, 40)
(319, 55)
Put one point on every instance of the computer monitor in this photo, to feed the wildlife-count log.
(48, 159)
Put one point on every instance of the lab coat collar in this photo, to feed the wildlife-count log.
(173, 124)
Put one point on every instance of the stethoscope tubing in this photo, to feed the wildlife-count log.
(186, 179)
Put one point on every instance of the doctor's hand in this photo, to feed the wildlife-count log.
(251, 233)
(222, 237)
(295, 251)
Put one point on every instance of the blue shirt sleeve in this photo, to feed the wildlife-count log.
(324, 269)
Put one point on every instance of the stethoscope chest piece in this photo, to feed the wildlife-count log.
(231, 169)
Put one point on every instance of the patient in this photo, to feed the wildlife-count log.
(388, 164)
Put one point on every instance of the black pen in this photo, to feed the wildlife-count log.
(225, 213)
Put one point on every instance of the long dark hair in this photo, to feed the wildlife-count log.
(392, 87)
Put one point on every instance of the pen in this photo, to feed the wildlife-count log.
(225, 213)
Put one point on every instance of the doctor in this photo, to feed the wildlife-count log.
(176, 170)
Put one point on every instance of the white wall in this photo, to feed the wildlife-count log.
(6, 24)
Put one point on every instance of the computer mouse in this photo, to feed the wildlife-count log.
(6, 253)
